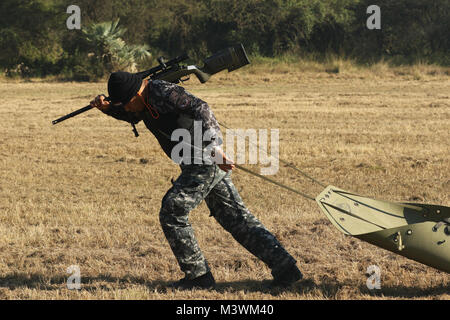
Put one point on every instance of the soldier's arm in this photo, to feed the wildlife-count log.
(117, 112)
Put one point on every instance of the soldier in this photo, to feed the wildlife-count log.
(165, 107)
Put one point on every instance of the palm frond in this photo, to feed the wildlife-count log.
(110, 49)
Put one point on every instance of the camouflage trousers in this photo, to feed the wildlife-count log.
(209, 182)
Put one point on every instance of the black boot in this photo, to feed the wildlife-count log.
(205, 281)
(286, 277)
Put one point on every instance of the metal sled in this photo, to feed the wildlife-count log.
(420, 232)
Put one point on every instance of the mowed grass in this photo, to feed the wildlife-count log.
(86, 192)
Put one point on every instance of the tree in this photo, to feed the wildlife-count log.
(110, 50)
(29, 37)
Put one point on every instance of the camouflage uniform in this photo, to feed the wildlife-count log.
(209, 182)
(198, 182)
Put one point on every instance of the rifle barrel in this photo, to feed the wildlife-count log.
(73, 114)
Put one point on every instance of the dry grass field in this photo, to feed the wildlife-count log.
(86, 192)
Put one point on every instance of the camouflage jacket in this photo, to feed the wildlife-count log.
(176, 109)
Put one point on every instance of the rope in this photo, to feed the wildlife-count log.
(286, 163)
(275, 182)
(261, 176)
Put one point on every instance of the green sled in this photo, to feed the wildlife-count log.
(420, 232)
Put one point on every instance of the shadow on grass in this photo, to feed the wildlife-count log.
(301, 287)
(328, 287)
(407, 292)
(101, 282)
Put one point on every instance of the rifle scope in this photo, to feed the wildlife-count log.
(231, 58)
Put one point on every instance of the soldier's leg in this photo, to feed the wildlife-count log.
(229, 210)
(193, 184)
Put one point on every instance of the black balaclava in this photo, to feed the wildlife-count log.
(123, 86)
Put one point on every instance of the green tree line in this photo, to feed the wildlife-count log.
(35, 41)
